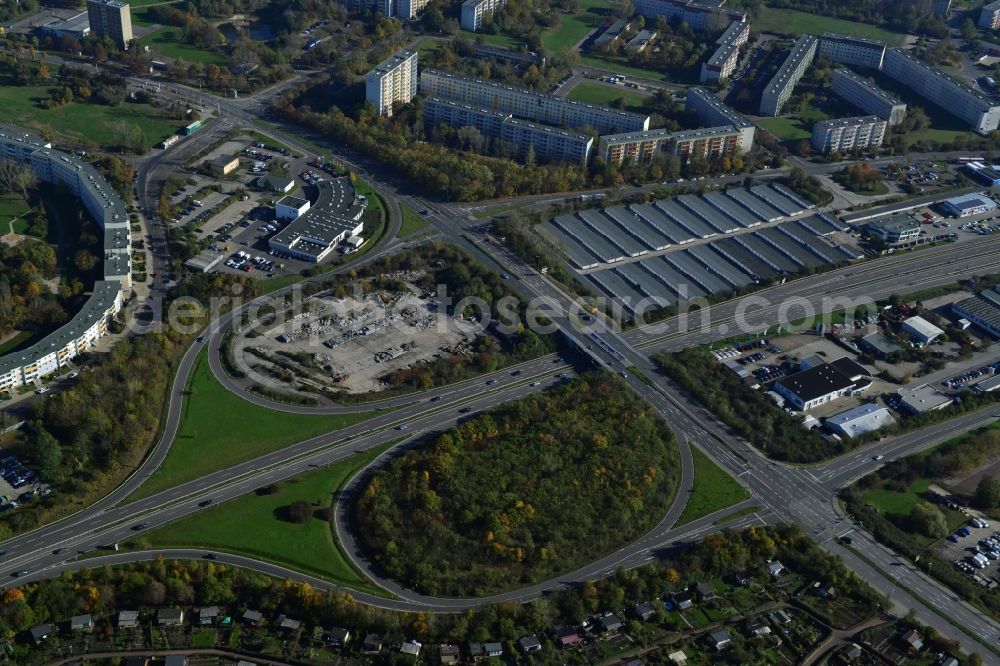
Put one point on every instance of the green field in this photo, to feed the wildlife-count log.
(219, 429)
(792, 22)
(573, 28)
(256, 525)
(413, 224)
(714, 489)
(595, 93)
(167, 41)
(786, 129)
(499, 39)
(621, 66)
(80, 120)
(13, 206)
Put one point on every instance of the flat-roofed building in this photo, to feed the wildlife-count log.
(921, 330)
(722, 63)
(983, 310)
(851, 50)
(867, 96)
(989, 16)
(847, 134)
(712, 112)
(77, 26)
(528, 104)
(781, 85)
(332, 218)
(859, 420)
(934, 85)
(223, 165)
(923, 398)
(475, 11)
(393, 81)
(611, 34)
(642, 41)
(967, 205)
(111, 18)
(707, 143)
(894, 229)
(703, 15)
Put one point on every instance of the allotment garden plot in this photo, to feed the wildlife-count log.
(351, 343)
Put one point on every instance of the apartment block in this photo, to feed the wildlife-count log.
(722, 63)
(852, 50)
(408, 9)
(713, 113)
(473, 12)
(111, 18)
(867, 96)
(954, 96)
(780, 88)
(703, 15)
(529, 105)
(708, 143)
(395, 80)
(634, 147)
(548, 143)
(847, 134)
(989, 16)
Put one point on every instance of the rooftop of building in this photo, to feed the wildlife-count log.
(645, 135)
(934, 71)
(869, 85)
(852, 121)
(971, 200)
(735, 30)
(393, 61)
(803, 45)
(816, 382)
(897, 222)
(705, 132)
(720, 107)
(838, 37)
(334, 212)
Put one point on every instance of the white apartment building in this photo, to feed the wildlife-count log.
(634, 147)
(58, 348)
(703, 15)
(847, 134)
(395, 80)
(713, 113)
(780, 88)
(528, 104)
(707, 143)
(722, 63)
(989, 16)
(473, 12)
(852, 50)
(867, 96)
(952, 95)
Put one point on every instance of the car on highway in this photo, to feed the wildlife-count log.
(58, 551)
(211, 556)
(465, 410)
(491, 382)
(207, 502)
(402, 426)
(623, 374)
(534, 384)
(878, 457)
(140, 526)
(435, 398)
(18, 574)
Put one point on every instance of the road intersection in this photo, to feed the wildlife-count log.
(784, 493)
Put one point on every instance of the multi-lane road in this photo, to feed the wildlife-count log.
(804, 495)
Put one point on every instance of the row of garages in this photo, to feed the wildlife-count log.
(594, 237)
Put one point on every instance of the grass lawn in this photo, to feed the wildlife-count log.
(219, 429)
(413, 224)
(898, 505)
(792, 22)
(20, 340)
(786, 129)
(714, 489)
(256, 525)
(81, 120)
(168, 41)
(13, 206)
(621, 66)
(573, 28)
(880, 188)
(499, 39)
(595, 93)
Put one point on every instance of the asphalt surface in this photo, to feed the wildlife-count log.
(785, 493)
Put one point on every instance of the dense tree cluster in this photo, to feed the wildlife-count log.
(529, 490)
(860, 177)
(909, 16)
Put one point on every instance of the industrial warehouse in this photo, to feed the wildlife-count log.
(334, 217)
(636, 252)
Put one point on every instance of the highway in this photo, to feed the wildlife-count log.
(803, 495)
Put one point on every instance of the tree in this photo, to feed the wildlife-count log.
(300, 511)
(987, 493)
(928, 520)
(48, 454)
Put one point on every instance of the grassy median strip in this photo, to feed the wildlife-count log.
(714, 489)
(260, 526)
(219, 429)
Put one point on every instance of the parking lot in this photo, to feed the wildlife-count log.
(975, 551)
(18, 484)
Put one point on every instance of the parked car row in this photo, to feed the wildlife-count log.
(752, 358)
(959, 382)
(311, 177)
